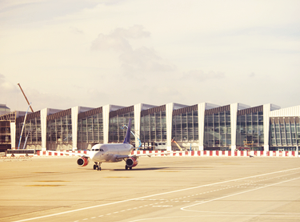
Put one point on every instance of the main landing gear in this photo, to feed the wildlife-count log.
(126, 167)
(97, 166)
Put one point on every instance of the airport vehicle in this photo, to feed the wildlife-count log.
(112, 152)
(173, 141)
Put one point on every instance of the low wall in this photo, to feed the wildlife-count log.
(208, 153)
(223, 153)
(60, 153)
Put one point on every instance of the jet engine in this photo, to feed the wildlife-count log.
(83, 161)
(131, 162)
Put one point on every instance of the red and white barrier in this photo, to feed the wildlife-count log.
(219, 153)
(204, 153)
(60, 153)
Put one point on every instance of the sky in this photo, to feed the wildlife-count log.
(68, 53)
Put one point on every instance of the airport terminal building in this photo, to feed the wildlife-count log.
(203, 126)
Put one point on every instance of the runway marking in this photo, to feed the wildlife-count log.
(246, 191)
(201, 202)
(153, 195)
(209, 215)
(45, 185)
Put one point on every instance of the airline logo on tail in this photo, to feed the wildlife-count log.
(127, 137)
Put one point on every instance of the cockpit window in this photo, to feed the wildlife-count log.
(101, 150)
(96, 149)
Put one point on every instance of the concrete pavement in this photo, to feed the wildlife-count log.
(158, 189)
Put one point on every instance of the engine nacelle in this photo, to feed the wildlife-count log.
(131, 162)
(83, 161)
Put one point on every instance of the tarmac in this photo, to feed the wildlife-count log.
(159, 189)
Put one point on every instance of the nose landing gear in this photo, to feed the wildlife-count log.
(97, 166)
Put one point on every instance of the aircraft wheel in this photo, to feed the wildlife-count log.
(95, 167)
(126, 167)
(130, 168)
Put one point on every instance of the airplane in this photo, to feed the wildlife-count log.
(112, 152)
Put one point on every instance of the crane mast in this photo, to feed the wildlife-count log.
(29, 105)
(25, 98)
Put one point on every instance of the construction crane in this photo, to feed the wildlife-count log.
(29, 105)
(25, 98)
(23, 128)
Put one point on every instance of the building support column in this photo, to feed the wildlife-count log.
(266, 113)
(233, 122)
(137, 122)
(13, 135)
(74, 116)
(44, 114)
(201, 121)
(106, 110)
(169, 116)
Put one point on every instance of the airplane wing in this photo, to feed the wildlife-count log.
(79, 154)
(139, 155)
(120, 157)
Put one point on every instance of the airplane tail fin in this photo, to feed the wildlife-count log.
(127, 137)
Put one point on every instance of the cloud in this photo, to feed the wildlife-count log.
(13, 97)
(41, 100)
(252, 74)
(9, 92)
(76, 30)
(134, 32)
(144, 60)
(119, 39)
(200, 76)
(133, 61)
(110, 2)
(6, 86)
(7, 4)
(35, 11)
(106, 42)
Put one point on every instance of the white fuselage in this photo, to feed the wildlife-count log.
(109, 152)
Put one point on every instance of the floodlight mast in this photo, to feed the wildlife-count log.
(25, 97)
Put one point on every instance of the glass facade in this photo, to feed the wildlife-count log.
(217, 129)
(90, 129)
(32, 129)
(185, 125)
(59, 130)
(4, 132)
(117, 130)
(153, 125)
(284, 132)
(250, 129)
